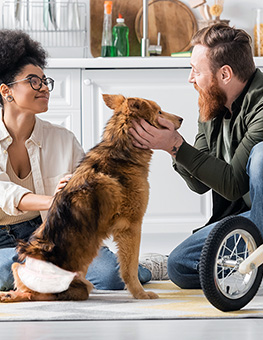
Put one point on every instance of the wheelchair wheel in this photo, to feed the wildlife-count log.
(228, 244)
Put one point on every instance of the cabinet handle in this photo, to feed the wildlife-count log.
(87, 82)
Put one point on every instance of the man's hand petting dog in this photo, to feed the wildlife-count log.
(146, 136)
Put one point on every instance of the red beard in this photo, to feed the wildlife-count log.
(211, 102)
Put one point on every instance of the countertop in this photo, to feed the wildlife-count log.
(126, 62)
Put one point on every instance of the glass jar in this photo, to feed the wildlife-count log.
(258, 33)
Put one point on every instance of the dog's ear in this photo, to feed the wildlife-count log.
(134, 104)
(140, 106)
(113, 101)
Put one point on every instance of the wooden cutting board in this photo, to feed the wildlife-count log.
(172, 18)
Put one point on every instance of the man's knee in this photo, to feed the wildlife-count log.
(255, 162)
(180, 274)
(174, 272)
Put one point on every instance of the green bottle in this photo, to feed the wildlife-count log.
(120, 36)
(107, 49)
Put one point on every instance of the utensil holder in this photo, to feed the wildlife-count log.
(206, 23)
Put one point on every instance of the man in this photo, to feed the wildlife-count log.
(230, 125)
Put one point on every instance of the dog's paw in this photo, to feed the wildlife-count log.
(152, 295)
(147, 295)
(14, 296)
(7, 296)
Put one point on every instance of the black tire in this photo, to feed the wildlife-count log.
(213, 271)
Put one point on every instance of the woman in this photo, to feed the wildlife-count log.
(36, 158)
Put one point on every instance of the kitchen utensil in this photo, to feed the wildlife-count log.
(217, 9)
(201, 6)
(207, 12)
(73, 15)
(59, 13)
(174, 20)
(52, 12)
(76, 15)
(46, 13)
(70, 15)
(13, 10)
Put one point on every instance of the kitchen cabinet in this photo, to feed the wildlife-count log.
(65, 100)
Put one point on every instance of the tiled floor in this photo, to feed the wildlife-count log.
(245, 329)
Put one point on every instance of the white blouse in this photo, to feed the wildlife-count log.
(53, 152)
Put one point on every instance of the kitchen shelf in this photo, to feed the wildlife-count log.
(53, 23)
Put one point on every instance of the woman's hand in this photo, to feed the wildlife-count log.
(62, 183)
(33, 202)
(146, 136)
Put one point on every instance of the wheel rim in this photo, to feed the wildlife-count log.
(234, 249)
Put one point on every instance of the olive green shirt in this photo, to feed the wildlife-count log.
(203, 166)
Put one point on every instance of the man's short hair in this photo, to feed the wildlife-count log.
(227, 46)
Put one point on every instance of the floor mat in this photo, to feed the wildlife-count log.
(174, 303)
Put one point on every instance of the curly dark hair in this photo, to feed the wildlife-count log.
(18, 50)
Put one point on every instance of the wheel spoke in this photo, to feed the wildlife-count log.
(230, 242)
(234, 249)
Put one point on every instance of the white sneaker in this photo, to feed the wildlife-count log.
(156, 264)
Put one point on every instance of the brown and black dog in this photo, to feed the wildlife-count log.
(107, 195)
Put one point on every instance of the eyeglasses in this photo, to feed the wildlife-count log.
(36, 82)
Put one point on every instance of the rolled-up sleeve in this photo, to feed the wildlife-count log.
(11, 195)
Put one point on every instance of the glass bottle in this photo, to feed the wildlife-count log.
(106, 42)
(120, 36)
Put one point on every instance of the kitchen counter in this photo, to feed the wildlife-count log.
(126, 63)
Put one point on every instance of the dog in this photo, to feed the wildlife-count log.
(107, 195)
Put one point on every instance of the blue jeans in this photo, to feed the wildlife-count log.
(9, 234)
(183, 262)
(103, 272)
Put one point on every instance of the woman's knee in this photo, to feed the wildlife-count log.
(7, 257)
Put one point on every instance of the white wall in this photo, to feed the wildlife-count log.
(239, 12)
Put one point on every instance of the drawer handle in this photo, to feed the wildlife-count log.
(87, 82)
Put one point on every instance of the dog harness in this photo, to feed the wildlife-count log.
(44, 277)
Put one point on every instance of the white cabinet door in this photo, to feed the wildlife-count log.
(172, 208)
(65, 100)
